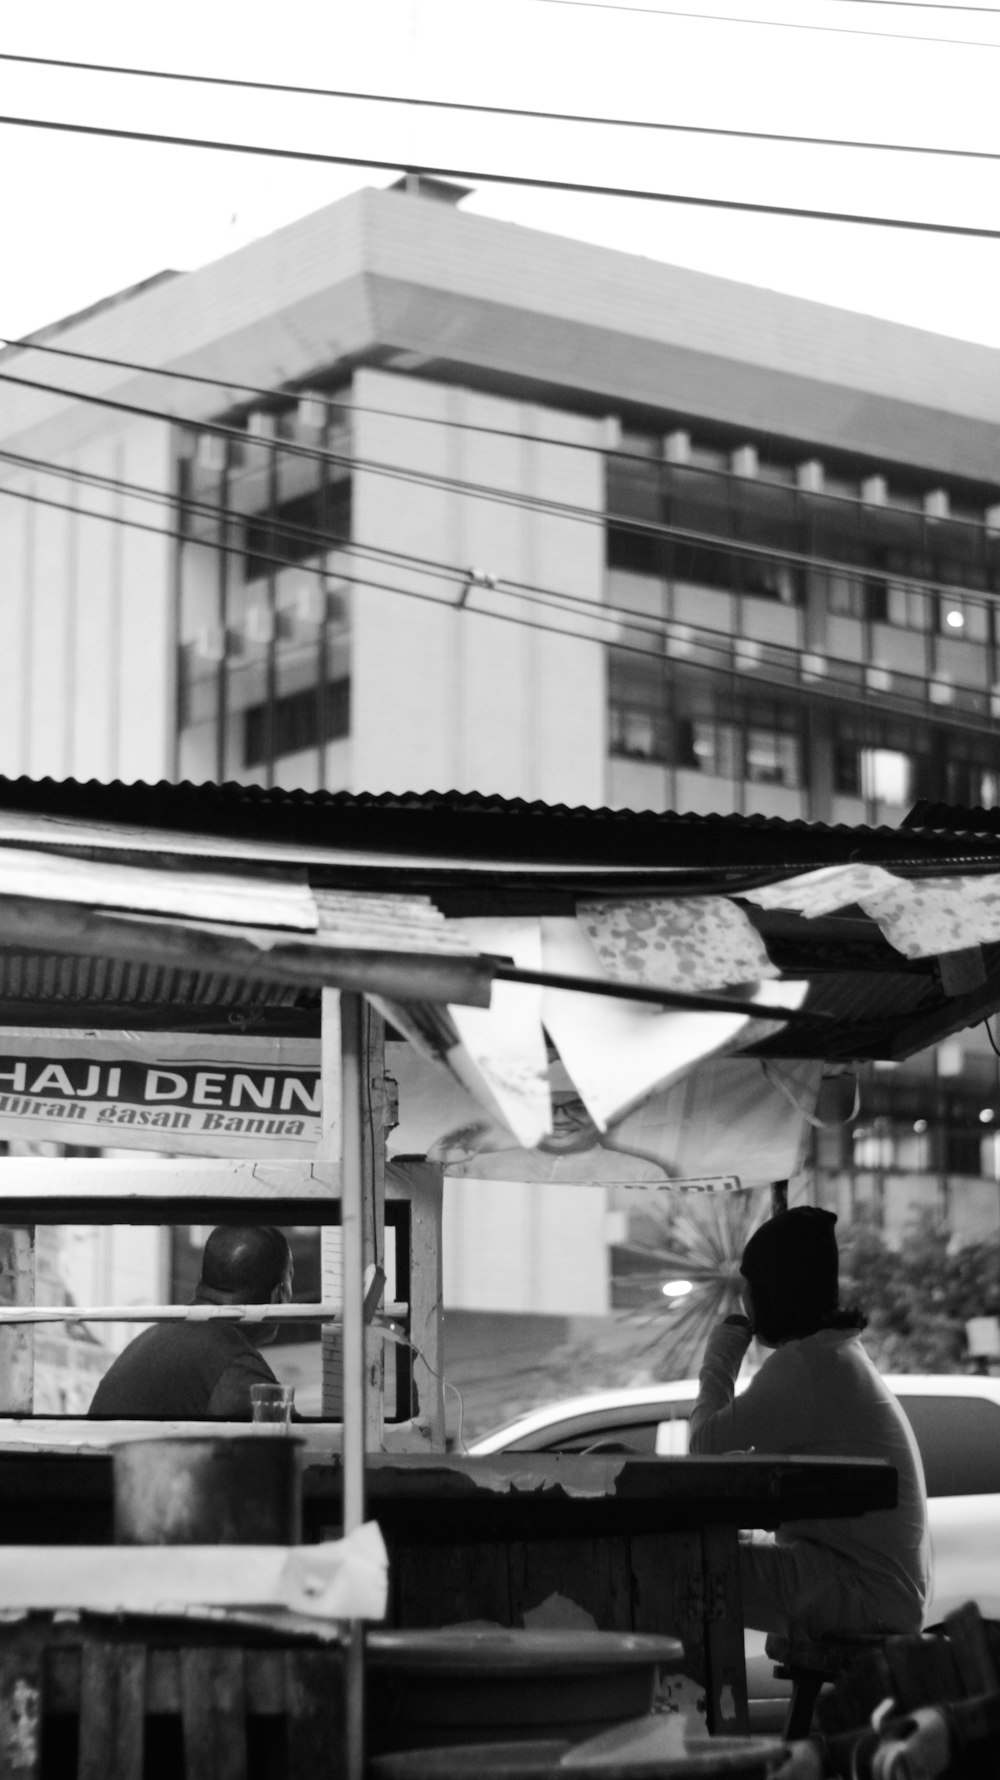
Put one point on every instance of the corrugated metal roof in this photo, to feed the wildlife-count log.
(425, 822)
(501, 855)
(953, 819)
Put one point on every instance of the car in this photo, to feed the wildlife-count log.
(956, 1421)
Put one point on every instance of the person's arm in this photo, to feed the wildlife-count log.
(712, 1426)
(230, 1400)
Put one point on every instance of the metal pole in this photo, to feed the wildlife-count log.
(352, 1225)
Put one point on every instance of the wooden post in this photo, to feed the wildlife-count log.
(331, 1241)
(352, 1196)
(373, 1135)
(421, 1182)
(17, 1340)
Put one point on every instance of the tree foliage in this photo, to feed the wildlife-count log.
(918, 1297)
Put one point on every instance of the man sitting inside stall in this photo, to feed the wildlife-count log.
(817, 1395)
(190, 1371)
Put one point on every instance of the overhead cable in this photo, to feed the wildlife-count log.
(518, 111)
(831, 688)
(510, 497)
(506, 497)
(301, 392)
(920, 5)
(728, 18)
(532, 181)
(625, 621)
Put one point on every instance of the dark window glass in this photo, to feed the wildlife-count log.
(959, 1441)
(643, 553)
(632, 1436)
(296, 530)
(297, 723)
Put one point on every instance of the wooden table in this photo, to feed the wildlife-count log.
(645, 1545)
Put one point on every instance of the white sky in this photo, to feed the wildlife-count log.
(83, 217)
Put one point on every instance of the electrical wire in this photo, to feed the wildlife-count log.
(331, 404)
(920, 5)
(659, 529)
(532, 181)
(833, 689)
(272, 394)
(726, 18)
(518, 111)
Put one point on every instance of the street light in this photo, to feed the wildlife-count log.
(677, 1288)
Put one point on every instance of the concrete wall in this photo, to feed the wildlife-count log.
(86, 654)
(517, 1246)
(474, 700)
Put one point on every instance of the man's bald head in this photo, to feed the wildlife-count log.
(245, 1261)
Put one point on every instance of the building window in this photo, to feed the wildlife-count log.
(298, 529)
(707, 746)
(894, 763)
(772, 757)
(692, 721)
(297, 723)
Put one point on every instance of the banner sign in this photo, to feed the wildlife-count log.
(206, 1096)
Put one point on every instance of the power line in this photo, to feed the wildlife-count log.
(465, 577)
(304, 393)
(728, 18)
(465, 105)
(532, 181)
(708, 643)
(331, 403)
(512, 498)
(920, 5)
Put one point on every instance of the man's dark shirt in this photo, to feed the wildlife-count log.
(184, 1372)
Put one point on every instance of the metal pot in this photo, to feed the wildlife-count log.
(195, 1490)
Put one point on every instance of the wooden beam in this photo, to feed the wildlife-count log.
(963, 972)
(422, 1184)
(260, 954)
(352, 1196)
(906, 1037)
(373, 1134)
(17, 1342)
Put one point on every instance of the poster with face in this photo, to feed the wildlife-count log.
(730, 1121)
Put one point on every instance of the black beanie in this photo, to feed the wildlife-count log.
(795, 1251)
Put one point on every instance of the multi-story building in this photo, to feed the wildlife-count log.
(402, 497)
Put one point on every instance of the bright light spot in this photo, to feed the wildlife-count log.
(955, 619)
(920, 1126)
(677, 1288)
(986, 1116)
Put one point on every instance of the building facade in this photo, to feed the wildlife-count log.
(402, 497)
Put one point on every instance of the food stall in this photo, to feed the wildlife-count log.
(204, 976)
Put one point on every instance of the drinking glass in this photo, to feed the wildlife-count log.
(272, 1407)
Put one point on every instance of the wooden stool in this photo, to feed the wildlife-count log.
(809, 1664)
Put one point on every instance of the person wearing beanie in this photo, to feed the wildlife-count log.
(817, 1395)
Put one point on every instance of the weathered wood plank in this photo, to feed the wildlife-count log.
(439, 1585)
(726, 1677)
(591, 1573)
(20, 1711)
(213, 1711)
(112, 1711)
(977, 1670)
(17, 1340)
(314, 1686)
